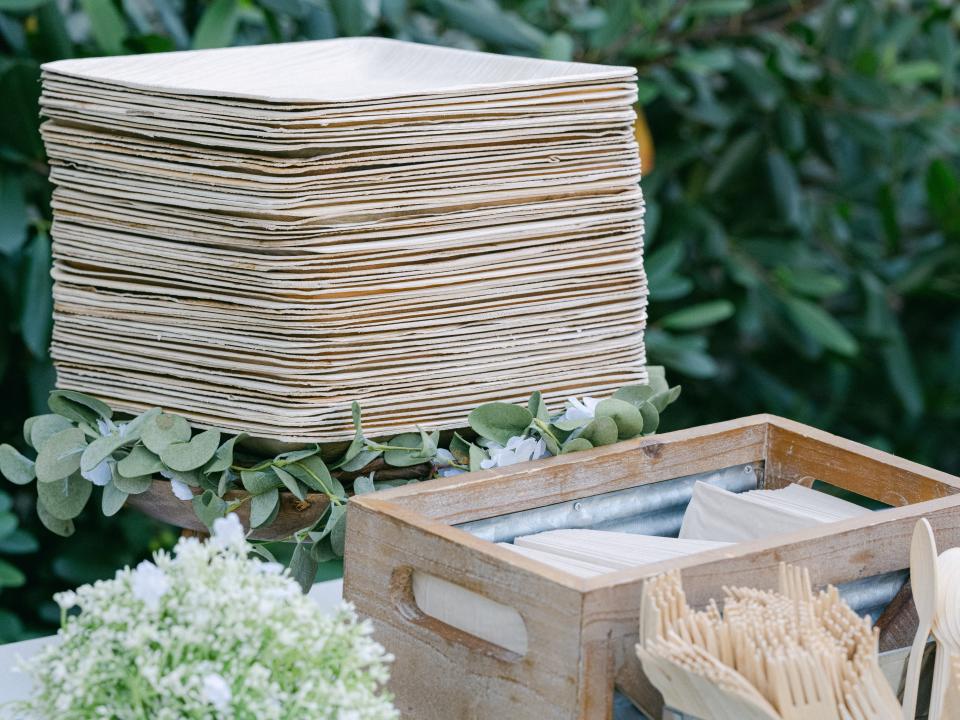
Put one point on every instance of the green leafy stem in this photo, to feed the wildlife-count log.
(81, 444)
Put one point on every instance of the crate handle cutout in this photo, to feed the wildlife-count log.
(459, 615)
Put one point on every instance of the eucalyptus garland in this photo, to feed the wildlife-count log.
(81, 444)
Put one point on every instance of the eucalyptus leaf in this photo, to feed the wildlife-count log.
(193, 454)
(570, 424)
(402, 457)
(133, 485)
(537, 407)
(15, 467)
(429, 443)
(208, 507)
(65, 499)
(334, 515)
(657, 378)
(162, 430)
(99, 450)
(599, 431)
(627, 417)
(223, 457)
(361, 460)
(499, 421)
(139, 462)
(60, 456)
(363, 485)
(575, 445)
(460, 449)
(38, 429)
(477, 456)
(289, 481)
(226, 479)
(651, 416)
(664, 398)
(256, 482)
(321, 551)
(191, 477)
(295, 455)
(313, 473)
(112, 499)
(63, 528)
(338, 534)
(303, 566)
(132, 430)
(263, 507)
(208, 482)
(635, 394)
(358, 443)
(551, 441)
(79, 407)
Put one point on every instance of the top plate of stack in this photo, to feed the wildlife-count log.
(257, 236)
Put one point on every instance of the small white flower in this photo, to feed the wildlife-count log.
(579, 410)
(270, 568)
(216, 691)
(101, 474)
(517, 450)
(450, 471)
(210, 597)
(148, 584)
(108, 427)
(444, 458)
(228, 532)
(66, 600)
(181, 489)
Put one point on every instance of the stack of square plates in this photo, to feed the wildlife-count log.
(257, 236)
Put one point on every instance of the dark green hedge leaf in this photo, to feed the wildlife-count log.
(821, 326)
(699, 316)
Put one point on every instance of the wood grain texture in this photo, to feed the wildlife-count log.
(488, 493)
(797, 451)
(582, 632)
(439, 673)
(160, 503)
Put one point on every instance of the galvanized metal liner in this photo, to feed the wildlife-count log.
(654, 509)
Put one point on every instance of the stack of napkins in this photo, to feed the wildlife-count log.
(718, 514)
(257, 236)
(587, 553)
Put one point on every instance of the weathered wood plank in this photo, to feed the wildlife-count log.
(798, 451)
(439, 673)
(488, 493)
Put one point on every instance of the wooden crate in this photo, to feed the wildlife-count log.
(580, 633)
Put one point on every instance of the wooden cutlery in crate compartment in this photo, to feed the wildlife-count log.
(480, 631)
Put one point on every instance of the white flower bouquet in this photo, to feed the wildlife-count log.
(207, 632)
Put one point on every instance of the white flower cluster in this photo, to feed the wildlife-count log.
(207, 633)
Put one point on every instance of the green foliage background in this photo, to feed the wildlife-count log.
(803, 216)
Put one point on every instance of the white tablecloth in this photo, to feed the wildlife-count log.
(16, 686)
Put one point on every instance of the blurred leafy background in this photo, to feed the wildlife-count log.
(803, 208)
